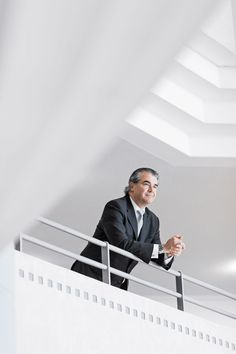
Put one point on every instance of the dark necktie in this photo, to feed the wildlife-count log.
(139, 220)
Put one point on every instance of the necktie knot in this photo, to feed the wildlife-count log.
(140, 215)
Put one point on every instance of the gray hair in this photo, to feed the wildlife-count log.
(135, 177)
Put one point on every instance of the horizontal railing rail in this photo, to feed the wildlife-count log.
(89, 261)
(107, 270)
(95, 241)
(59, 250)
(209, 287)
(208, 307)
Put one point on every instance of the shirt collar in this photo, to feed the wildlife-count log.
(136, 207)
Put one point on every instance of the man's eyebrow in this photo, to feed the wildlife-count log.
(156, 184)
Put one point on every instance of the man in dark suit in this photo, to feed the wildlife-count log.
(128, 224)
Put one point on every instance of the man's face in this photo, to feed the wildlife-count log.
(144, 192)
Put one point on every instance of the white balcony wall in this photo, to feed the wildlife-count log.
(59, 311)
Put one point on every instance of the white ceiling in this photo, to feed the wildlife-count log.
(189, 116)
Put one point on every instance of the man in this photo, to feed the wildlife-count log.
(128, 224)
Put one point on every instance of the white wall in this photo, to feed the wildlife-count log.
(59, 311)
(7, 300)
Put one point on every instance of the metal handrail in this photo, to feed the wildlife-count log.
(209, 287)
(60, 250)
(107, 270)
(70, 231)
(212, 308)
(118, 250)
(144, 282)
(91, 262)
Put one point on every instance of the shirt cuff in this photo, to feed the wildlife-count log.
(155, 254)
(167, 259)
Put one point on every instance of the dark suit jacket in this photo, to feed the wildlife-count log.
(118, 226)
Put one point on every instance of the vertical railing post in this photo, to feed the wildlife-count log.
(106, 275)
(180, 289)
(20, 243)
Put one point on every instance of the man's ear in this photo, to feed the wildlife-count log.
(131, 186)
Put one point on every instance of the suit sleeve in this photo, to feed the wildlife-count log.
(113, 225)
(161, 259)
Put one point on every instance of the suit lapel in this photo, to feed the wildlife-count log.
(131, 216)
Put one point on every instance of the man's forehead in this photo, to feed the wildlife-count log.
(147, 176)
